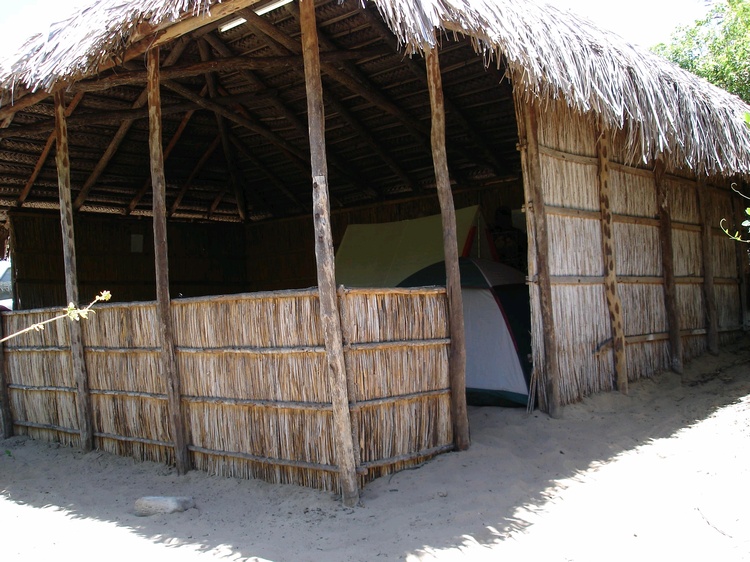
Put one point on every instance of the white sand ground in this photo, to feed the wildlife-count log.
(663, 473)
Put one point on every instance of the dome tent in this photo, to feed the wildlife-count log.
(497, 324)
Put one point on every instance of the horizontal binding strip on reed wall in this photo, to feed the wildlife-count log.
(624, 219)
(264, 460)
(408, 457)
(278, 404)
(47, 426)
(634, 280)
(400, 398)
(42, 388)
(134, 439)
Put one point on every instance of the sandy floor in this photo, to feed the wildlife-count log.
(661, 473)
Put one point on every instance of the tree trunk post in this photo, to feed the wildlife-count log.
(62, 159)
(168, 364)
(457, 359)
(610, 264)
(526, 115)
(329, 313)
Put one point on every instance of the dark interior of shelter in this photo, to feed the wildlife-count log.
(237, 159)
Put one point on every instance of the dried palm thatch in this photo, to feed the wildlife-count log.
(551, 54)
(554, 54)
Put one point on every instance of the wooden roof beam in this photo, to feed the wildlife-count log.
(353, 80)
(339, 108)
(195, 171)
(349, 174)
(234, 173)
(247, 121)
(45, 152)
(122, 132)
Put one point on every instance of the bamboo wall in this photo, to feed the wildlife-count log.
(571, 161)
(255, 396)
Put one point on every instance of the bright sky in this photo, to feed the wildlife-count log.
(645, 22)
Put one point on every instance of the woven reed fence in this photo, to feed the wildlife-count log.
(253, 372)
(571, 160)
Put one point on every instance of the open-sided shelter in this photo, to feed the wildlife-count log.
(230, 128)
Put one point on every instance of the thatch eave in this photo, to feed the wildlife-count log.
(671, 114)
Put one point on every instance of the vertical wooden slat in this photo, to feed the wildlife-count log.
(610, 271)
(62, 159)
(709, 293)
(532, 181)
(457, 360)
(667, 259)
(168, 364)
(329, 314)
(6, 415)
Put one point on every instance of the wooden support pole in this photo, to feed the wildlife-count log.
(168, 364)
(62, 159)
(709, 293)
(667, 260)
(532, 180)
(457, 359)
(610, 272)
(6, 415)
(329, 314)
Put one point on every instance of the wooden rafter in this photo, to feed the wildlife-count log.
(234, 173)
(121, 133)
(344, 113)
(167, 151)
(45, 153)
(277, 103)
(195, 171)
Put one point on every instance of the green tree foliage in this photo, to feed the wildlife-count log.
(717, 47)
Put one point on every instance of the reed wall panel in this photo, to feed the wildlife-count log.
(719, 206)
(564, 129)
(575, 246)
(420, 315)
(39, 368)
(383, 425)
(135, 371)
(690, 305)
(271, 433)
(693, 346)
(729, 306)
(294, 377)
(643, 308)
(409, 370)
(583, 327)
(724, 256)
(131, 416)
(118, 326)
(569, 184)
(647, 358)
(284, 319)
(682, 197)
(637, 250)
(632, 193)
(688, 253)
(44, 407)
(145, 451)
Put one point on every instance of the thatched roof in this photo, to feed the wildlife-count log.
(544, 51)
